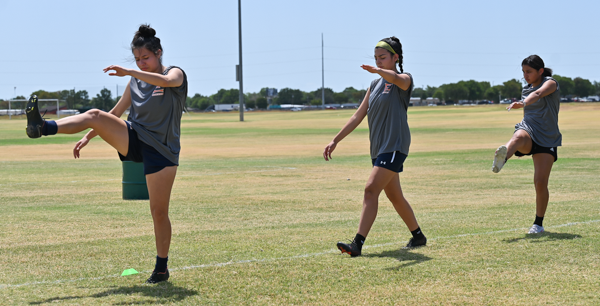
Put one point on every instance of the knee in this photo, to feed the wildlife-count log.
(93, 114)
(371, 193)
(159, 214)
(540, 184)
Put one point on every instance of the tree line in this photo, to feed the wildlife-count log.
(463, 90)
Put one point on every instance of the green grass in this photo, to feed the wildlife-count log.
(256, 213)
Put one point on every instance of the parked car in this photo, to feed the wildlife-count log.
(330, 107)
(506, 101)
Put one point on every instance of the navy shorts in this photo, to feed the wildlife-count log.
(392, 161)
(535, 149)
(140, 152)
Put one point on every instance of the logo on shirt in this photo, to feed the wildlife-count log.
(387, 88)
(159, 91)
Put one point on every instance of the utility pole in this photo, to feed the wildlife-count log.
(322, 73)
(240, 66)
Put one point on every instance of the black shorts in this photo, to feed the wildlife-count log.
(535, 149)
(393, 161)
(140, 152)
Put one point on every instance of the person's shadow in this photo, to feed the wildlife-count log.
(404, 256)
(162, 293)
(543, 237)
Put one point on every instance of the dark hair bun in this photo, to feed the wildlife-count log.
(146, 31)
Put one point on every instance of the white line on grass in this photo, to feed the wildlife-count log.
(222, 264)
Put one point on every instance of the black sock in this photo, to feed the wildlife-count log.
(418, 234)
(161, 264)
(538, 220)
(359, 240)
(49, 128)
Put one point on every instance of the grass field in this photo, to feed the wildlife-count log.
(256, 213)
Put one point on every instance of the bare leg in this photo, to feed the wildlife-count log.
(379, 178)
(520, 141)
(112, 129)
(393, 190)
(159, 189)
(542, 163)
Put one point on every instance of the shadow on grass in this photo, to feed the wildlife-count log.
(543, 237)
(405, 257)
(160, 293)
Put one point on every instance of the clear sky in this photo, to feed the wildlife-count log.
(55, 45)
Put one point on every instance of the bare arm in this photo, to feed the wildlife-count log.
(401, 80)
(174, 77)
(546, 89)
(354, 121)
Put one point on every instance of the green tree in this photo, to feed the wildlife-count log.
(226, 96)
(42, 94)
(261, 103)
(328, 95)
(75, 99)
(597, 85)
(103, 100)
(418, 92)
(439, 94)
(430, 90)
(340, 97)
(455, 92)
(290, 96)
(512, 89)
(565, 84)
(493, 93)
(583, 87)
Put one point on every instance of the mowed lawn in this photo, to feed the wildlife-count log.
(256, 213)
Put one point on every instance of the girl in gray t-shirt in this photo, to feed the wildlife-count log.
(385, 103)
(537, 134)
(155, 97)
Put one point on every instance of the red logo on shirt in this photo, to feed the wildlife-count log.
(387, 88)
(159, 91)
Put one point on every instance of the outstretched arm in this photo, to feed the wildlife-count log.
(401, 80)
(354, 121)
(174, 77)
(546, 89)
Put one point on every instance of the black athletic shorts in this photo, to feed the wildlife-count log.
(140, 152)
(535, 149)
(392, 161)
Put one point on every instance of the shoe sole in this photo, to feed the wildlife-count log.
(499, 158)
(341, 248)
(34, 130)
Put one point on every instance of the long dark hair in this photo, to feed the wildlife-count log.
(145, 37)
(537, 63)
(397, 46)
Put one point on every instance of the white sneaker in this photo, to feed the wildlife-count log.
(499, 159)
(536, 229)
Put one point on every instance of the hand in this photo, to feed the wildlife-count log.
(79, 145)
(515, 105)
(119, 71)
(328, 150)
(369, 68)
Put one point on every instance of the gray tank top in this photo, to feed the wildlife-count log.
(155, 114)
(388, 125)
(540, 118)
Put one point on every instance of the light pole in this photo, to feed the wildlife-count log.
(240, 66)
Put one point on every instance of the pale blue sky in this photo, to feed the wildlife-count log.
(55, 45)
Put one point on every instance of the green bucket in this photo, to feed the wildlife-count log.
(134, 181)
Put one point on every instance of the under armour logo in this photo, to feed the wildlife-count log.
(382, 163)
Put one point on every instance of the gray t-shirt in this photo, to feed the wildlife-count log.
(540, 118)
(155, 114)
(388, 125)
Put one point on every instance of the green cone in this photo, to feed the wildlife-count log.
(129, 272)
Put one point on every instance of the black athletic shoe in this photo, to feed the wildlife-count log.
(351, 248)
(34, 119)
(414, 243)
(158, 277)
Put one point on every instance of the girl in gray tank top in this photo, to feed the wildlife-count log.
(385, 103)
(156, 98)
(537, 134)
